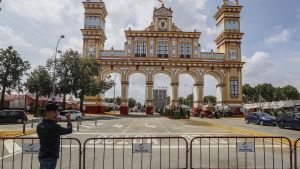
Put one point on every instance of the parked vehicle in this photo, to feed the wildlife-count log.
(260, 118)
(75, 115)
(13, 116)
(134, 109)
(289, 120)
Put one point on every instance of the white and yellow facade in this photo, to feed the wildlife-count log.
(164, 48)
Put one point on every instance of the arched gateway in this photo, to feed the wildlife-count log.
(164, 48)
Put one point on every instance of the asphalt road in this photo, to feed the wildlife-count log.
(117, 143)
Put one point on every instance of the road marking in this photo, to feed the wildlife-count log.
(129, 126)
(11, 146)
(168, 131)
(150, 126)
(196, 134)
(118, 126)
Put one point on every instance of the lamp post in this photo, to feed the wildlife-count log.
(54, 69)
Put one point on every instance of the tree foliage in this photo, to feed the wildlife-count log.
(187, 101)
(12, 69)
(39, 83)
(267, 93)
(210, 100)
(85, 82)
(132, 103)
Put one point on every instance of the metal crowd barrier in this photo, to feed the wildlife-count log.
(296, 153)
(241, 152)
(136, 153)
(22, 153)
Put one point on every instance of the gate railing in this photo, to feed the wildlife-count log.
(241, 152)
(22, 153)
(136, 152)
(157, 152)
(296, 153)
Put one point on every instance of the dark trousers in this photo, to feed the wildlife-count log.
(48, 163)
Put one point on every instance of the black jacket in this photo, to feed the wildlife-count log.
(49, 133)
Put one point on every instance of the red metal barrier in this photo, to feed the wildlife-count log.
(296, 151)
(22, 153)
(241, 153)
(136, 152)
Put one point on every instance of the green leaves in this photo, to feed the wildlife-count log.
(12, 69)
(267, 92)
(210, 100)
(39, 82)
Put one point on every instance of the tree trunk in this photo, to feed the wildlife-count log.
(2, 97)
(36, 105)
(64, 101)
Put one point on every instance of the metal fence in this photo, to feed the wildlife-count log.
(21, 153)
(136, 152)
(241, 152)
(296, 153)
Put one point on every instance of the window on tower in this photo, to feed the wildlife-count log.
(185, 50)
(140, 49)
(163, 50)
(234, 87)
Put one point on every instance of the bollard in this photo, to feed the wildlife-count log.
(95, 122)
(32, 124)
(24, 127)
(77, 126)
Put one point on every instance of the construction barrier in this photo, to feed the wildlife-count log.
(297, 152)
(22, 153)
(136, 153)
(241, 153)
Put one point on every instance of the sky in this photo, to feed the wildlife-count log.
(271, 45)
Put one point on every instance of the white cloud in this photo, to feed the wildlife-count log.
(10, 37)
(257, 65)
(279, 37)
(72, 43)
(46, 53)
(47, 11)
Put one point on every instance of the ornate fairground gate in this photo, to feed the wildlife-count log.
(164, 48)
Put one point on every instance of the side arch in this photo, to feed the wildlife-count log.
(108, 71)
(133, 71)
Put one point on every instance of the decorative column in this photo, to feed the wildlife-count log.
(149, 98)
(101, 103)
(124, 110)
(174, 98)
(198, 87)
(220, 98)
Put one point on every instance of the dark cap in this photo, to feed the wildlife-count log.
(51, 106)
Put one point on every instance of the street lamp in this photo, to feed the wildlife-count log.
(54, 69)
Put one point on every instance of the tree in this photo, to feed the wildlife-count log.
(85, 82)
(12, 69)
(264, 92)
(290, 92)
(39, 83)
(65, 72)
(248, 93)
(118, 100)
(132, 103)
(210, 100)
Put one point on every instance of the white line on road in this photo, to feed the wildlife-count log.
(118, 126)
(11, 146)
(199, 134)
(150, 126)
(133, 122)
